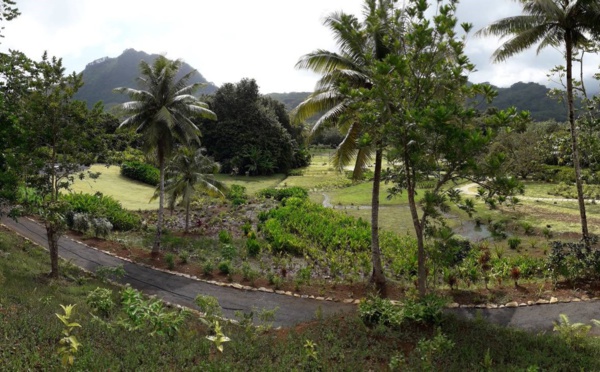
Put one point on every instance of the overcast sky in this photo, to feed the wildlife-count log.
(230, 40)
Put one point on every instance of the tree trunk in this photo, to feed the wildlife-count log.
(377, 276)
(187, 216)
(53, 237)
(575, 150)
(161, 201)
(421, 272)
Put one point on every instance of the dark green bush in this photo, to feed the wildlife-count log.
(281, 194)
(142, 172)
(253, 247)
(237, 194)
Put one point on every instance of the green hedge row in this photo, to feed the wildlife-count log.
(142, 172)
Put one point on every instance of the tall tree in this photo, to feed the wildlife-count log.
(56, 143)
(360, 44)
(189, 172)
(162, 110)
(566, 23)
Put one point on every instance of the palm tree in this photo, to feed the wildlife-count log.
(360, 45)
(190, 171)
(567, 23)
(162, 110)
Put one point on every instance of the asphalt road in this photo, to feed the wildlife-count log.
(291, 310)
(181, 290)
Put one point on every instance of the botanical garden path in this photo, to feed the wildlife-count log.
(182, 290)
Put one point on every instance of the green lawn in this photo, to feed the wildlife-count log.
(253, 184)
(133, 195)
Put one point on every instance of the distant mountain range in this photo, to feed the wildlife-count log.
(103, 75)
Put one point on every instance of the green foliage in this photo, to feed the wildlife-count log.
(170, 260)
(149, 314)
(224, 267)
(514, 242)
(99, 205)
(237, 194)
(225, 237)
(252, 247)
(142, 172)
(376, 310)
(100, 300)
(110, 272)
(284, 193)
(218, 339)
(229, 251)
(210, 306)
(426, 310)
(573, 333)
(573, 261)
(69, 343)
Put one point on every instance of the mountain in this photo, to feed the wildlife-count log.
(101, 76)
(532, 97)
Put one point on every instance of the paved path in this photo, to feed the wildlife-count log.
(181, 290)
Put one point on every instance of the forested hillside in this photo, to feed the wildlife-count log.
(103, 75)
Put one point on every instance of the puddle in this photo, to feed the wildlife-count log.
(473, 232)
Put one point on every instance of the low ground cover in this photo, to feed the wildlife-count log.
(31, 332)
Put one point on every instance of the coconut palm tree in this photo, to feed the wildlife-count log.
(188, 172)
(556, 23)
(162, 110)
(360, 46)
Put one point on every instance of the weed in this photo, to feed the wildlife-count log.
(100, 300)
(170, 260)
(69, 343)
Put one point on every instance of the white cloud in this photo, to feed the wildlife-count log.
(230, 40)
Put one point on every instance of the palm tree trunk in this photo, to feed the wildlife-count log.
(575, 154)
(187, 216)
(377, 276)
(161, 201)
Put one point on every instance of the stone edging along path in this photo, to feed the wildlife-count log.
(511, 304)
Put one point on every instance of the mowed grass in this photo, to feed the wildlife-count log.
(132, 195)
(253, 184)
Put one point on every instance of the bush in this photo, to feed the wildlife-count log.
(281, 194)
(224, 237)
(142, 172)
(514, 242)
(376, 310)
(100, 300)
(97, 206)
(224, 267)
(237, 195)
(252, 247)
(170, 260)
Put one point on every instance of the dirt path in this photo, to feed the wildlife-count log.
(182, 290)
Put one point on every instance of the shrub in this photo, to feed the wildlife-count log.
(376, 310)
(98, 205)
(224, 267)
(101, 227)
(170, 260)
(224, 237)
(237, 194)
(208, 268)
(228, 251)
(514, 242)
(252, 247)
(100, 300)
(142, 172)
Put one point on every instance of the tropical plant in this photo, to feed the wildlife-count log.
(360, 45)
(188, 172)
(162, 112)
(69, 342)
(555, 23)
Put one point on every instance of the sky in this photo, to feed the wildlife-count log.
(234, 39)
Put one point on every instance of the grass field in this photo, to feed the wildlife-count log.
(133, 195)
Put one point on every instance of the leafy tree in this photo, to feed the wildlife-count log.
(56, 142)
(361, 44)
(188, 172)
(162, 110)
(248, 136)
(420, 91)
(566, 23)
(8, 12)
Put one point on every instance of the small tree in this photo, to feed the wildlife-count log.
(421, 92)
(187, 173)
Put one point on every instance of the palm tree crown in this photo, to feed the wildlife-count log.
(162, 110)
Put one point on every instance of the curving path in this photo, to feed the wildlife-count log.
(181, 290)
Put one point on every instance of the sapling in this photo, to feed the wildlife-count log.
(69, 343)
